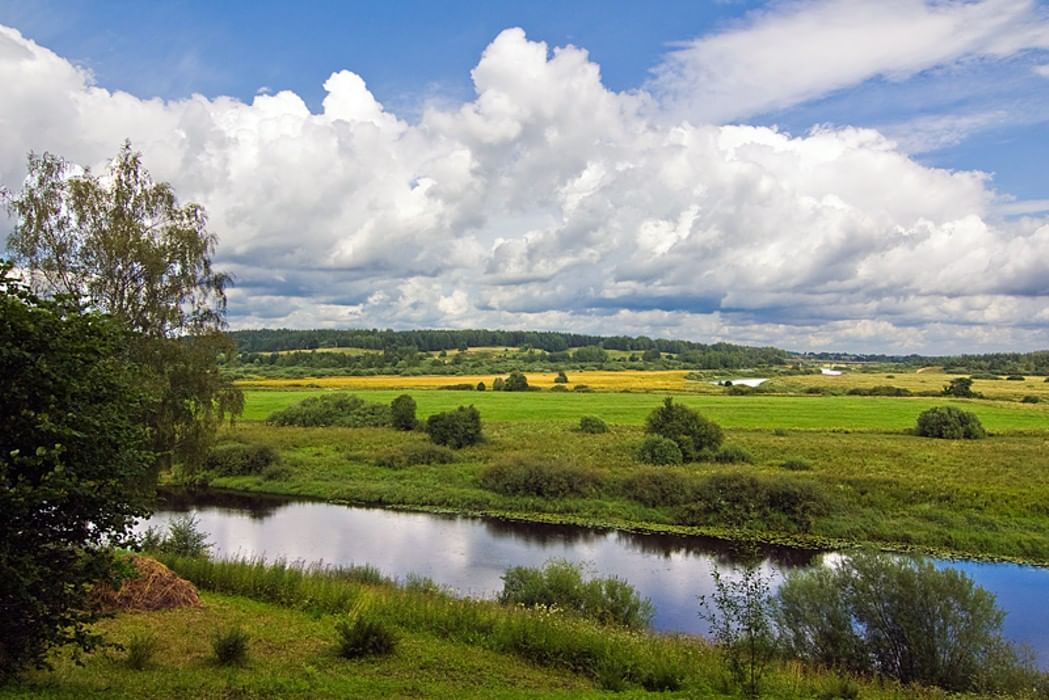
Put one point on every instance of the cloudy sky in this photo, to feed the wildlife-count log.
(864, 175)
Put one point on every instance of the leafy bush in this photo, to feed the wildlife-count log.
(458, 387)
(365, 636)
(182, 538)
(949, 423)
(516, 382)
(1030, 398)
(402, 412)
(796, 465)
(239, 459)
(456, 429)
(344, 410)
(657, 449)
(561, 378)
(879, 391)
(692, 433)
(141, 649)
(559, 388)
(480, 386)
(411, 455)
(897, 617)
(523, 476)
(659, 487)
(744, 501)
(230, 647)
(961, 387)
(582, 389)
(732, 455)
(592, 424)
(1015, 378)
(560, 584)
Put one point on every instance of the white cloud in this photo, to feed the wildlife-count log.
(796, 51)
(1042, 70)
(551, 202)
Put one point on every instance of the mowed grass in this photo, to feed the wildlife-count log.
(760, 411)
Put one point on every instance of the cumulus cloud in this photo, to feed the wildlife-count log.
(796, 51)
(551, 202)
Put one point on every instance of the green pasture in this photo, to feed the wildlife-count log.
(861, 413)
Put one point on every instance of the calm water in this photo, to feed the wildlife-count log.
(470, 554)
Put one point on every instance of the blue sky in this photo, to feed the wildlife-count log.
(757, 172)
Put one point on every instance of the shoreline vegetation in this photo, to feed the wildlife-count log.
(840, 471)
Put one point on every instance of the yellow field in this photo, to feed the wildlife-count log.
(666, 380)
(927, 379)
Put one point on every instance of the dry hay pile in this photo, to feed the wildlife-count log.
(155, 587)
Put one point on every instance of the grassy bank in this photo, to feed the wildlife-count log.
(448, 648)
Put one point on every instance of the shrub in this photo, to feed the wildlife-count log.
(276, 472)
(456, 429)
(516, 382)
(345, 410)
(365, 637)
(182, 538)
(1030, 398)
(560, 584)
(582, 388)
(897, 617)
(522, 476)
(239, 459)
(480, 386)
(230, 647)
(744, 501)
(949, 423)
(457, 387)
(659, 487)
(692, 433)
(411, 455)
(402, 413)
(962, 387)
(657, 449)
(561, 378)
(879, 391)
(592, 424)
(141, 649)
(732, 455)
(498, 384)
(740, 615)
(1015, 378)
(559, 388)
(796, 465)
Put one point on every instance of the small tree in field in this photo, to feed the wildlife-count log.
(960, 387)
(402, 412)
(693, 434)
(949, 423)
(516, 382)
(561, 378)
(458, 428)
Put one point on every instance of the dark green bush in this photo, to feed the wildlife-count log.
(230, 647)
(276, 472)
(692, 433)
(182, 537)
(456, 429)
(1030, 398)
(344, 410)
(732, 455)
(879, 391)
(561, 378)
(365, 637)
(659, 487)
(1015, 378)
(949, 423)
(525, 476)
(516, 382)
(412, 455)
(961, 387)
(239, 459)
(592, 424)
(402, 413)
(560, 584)
(582, 388)
(657, 449)
(481, 386)
(457, 387)
(744, 501)
(559, 388)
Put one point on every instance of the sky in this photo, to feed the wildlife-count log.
(855, 175)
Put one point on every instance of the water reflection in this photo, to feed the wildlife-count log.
(469, 555)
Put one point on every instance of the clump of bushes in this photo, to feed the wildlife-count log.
(230, 647)
(744, 501)
(592, 424)
(516, 381)
(402, 413)
(559, 388)
(561, 378)
(1031, 398)
(240, 459)
(458, 387)
(582, 389)
(879, 391)
(732, 455)
(412, 455)
(1015, 378)
(693, 434)
(526, 476)
(949, 423)
(343, 410)
(560, 584)
(659, 487)
(456, 429)
(961, 387)
(657, 449)
(182, 537)
(365, 636)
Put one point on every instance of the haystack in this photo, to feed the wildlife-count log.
(156, 587)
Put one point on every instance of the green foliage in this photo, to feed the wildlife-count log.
(480, 386)
(1030, 398)
(516, 382)
(740, 615)
(415, 454)
(1015, 378)
(456, 429)
(744, 501)
(897, 617)
(592, 424)
(402, 412)
(797, 465)
(75, 468)
(960, 387)
(277, 472)
(590, 354)
(692, 433)
(339, 409)
(949, 423)
(582, 389)
(230, 647)
(559, 584)
(183, 537)
(141, 649)
(651, 355)
(657, 449)
(365, 636)
(659, 487)
(498, 384)
(561, 378)
(732, 455)
(526, 476)
(239, 459)
(879, 391)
